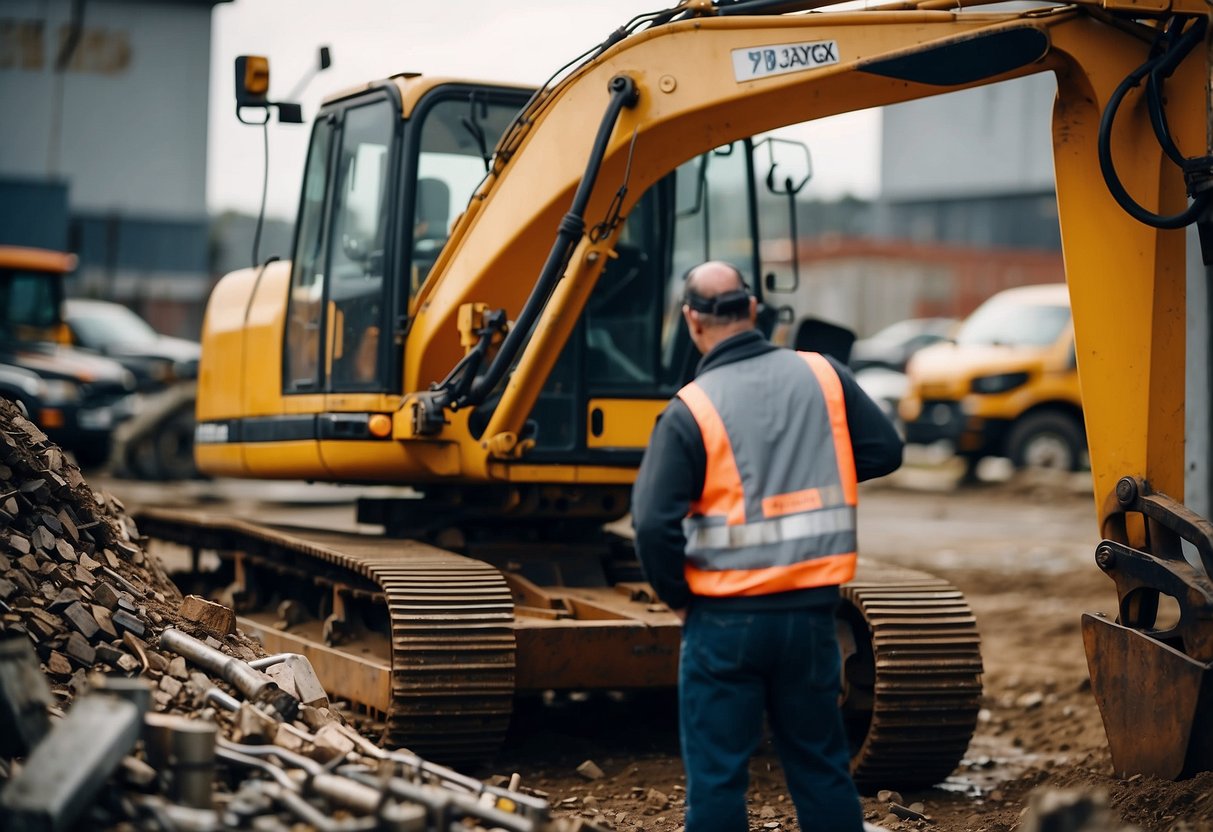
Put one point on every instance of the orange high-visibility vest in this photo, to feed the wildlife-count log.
(777, 512)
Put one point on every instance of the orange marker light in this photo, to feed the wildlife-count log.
(257, 75)
(380, 425)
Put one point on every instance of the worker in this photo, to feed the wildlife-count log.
(744, 512)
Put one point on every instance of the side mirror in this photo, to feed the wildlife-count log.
(789, 169)
(789, 166)
(253, 86)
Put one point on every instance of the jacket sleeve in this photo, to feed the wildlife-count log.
(670, 478)
(877, 446)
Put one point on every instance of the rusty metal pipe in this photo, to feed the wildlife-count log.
(270, 661)
(223, 700)
(290, 758)
(249, 681)
(222, 752)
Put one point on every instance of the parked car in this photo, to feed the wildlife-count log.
(117, 332)
(1007, 386)
(158, 444)
(76, 398)
(893, 346)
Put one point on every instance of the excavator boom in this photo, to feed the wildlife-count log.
(514, 373)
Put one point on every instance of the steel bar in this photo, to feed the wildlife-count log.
(67, 769)
(252, 683)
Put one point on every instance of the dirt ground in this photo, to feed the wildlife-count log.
(1022, 551)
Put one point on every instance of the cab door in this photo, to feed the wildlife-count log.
(630, 352)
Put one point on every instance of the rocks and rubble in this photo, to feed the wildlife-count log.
(125, 706)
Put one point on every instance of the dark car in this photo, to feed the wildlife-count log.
(115, 331)
(75, 397)
(892, 346)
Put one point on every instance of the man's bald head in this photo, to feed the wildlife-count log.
(708, 320)
(714, 278)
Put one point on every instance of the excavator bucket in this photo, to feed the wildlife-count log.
(1153, 679)
(1156, 702)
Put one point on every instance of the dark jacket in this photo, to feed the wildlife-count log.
(671, 477)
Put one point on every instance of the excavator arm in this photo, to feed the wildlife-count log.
(443, 385)
(709, 77)
(703, 82)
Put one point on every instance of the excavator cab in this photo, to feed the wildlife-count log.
(380, 196)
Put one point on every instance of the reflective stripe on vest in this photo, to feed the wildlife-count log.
(777, 510)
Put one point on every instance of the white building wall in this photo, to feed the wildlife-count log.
(125, 124)
(989, 141)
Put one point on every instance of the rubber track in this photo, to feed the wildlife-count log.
(451, 617)
(928, 669)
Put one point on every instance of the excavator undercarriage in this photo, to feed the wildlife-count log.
(437, 644)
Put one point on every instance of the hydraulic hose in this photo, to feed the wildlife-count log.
(1196, 170)
(572, 226)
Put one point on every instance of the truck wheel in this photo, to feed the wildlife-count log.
(1048, 439)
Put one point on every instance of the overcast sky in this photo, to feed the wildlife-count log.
(520, 41)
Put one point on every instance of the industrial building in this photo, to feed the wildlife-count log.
(108, 156)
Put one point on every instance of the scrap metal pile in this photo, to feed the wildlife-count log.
(125, 706)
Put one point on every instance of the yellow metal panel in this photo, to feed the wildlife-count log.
(299, 459)
(600, 474)
(262, 371)
(221, 460)
(626, 423)
(1126, 279)
(388, 461)
(219, 371)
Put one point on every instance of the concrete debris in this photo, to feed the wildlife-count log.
(590, 770)
(1062, 810)
(91, 626)
(905, 812)
(889, 796)
(215, 619)
(330, 743)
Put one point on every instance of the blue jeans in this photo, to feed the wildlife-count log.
(734, 667)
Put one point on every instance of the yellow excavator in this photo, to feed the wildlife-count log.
(482, 304)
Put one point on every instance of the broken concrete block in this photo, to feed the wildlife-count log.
(330, 743)
(171, 686)
(307, 683)
(283, 677)
(214, 618)
(78, 648)
(288, 737)
(254, 726)
(24, 697)
(105, 595)
(82, 620)
(656, 800)
(105, 620)
(590, 770)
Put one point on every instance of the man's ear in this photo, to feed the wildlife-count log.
(753, 309)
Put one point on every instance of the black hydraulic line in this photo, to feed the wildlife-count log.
(1196, 170)
(572, 226)
(760, 7)
(1154, 97)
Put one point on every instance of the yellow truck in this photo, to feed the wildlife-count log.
(1007, 385)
